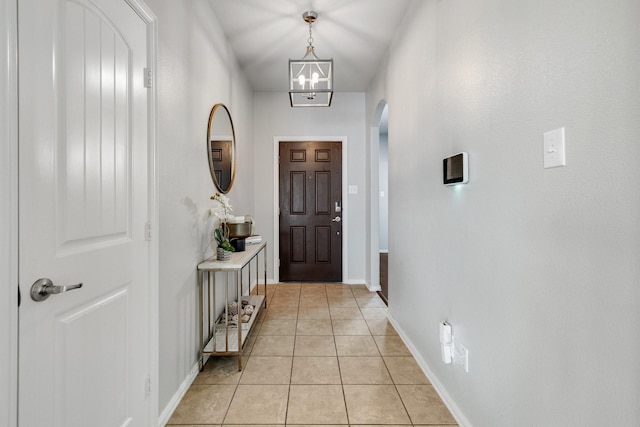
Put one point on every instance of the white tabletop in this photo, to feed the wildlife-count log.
(237, 261)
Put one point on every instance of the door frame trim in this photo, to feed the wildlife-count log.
(276, 200)
(9, 213)
(153, 211)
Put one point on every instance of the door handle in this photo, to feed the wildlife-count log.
(337, 219)
(42, 288)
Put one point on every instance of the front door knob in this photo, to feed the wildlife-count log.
(42, 288)
(336, 219)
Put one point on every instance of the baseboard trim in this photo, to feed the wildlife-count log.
(356, 282)
(383, 298)
(177, 397)
(433, 379)
(373, 288)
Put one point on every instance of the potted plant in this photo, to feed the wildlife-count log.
(224, 245)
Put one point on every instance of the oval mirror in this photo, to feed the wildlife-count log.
(221, 148)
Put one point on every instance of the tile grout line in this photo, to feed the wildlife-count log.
(293, 353)
(344, 395)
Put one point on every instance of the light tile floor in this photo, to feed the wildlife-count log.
(320, 354)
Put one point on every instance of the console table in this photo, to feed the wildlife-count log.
(222, 338)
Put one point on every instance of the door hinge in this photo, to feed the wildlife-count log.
(148, 77)
(147, 386)
(147, 231)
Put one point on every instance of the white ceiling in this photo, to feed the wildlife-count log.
(265, 34)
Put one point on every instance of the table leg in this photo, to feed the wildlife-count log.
(201, 317)
(239, 289)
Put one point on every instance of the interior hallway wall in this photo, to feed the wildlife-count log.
(273, 116)
(536, 269)
(196, 70)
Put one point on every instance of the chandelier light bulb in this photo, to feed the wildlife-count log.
(301, 80)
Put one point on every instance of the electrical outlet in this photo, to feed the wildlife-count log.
(554, 151)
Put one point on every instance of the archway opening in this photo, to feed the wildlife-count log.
(379, 206)
(383, 202)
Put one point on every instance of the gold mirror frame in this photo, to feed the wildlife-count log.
(221, 148)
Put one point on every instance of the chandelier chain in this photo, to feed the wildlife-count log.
(310, 39)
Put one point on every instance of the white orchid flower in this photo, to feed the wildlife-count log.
(222, 208)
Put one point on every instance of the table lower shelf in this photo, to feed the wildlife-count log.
(229, 335)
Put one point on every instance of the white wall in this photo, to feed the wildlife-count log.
(273, 116)
(537, 270)
(196, 70)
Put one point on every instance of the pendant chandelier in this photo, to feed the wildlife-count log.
(310, 78)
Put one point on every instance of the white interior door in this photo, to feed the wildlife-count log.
(83, 209)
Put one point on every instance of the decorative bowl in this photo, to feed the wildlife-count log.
(241, 230)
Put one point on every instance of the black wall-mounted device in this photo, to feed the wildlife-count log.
(455, 169)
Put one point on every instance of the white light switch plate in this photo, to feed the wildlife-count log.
(554, 152)
(353, 189)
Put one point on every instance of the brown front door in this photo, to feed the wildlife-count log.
(221, 158)
(311, 211)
